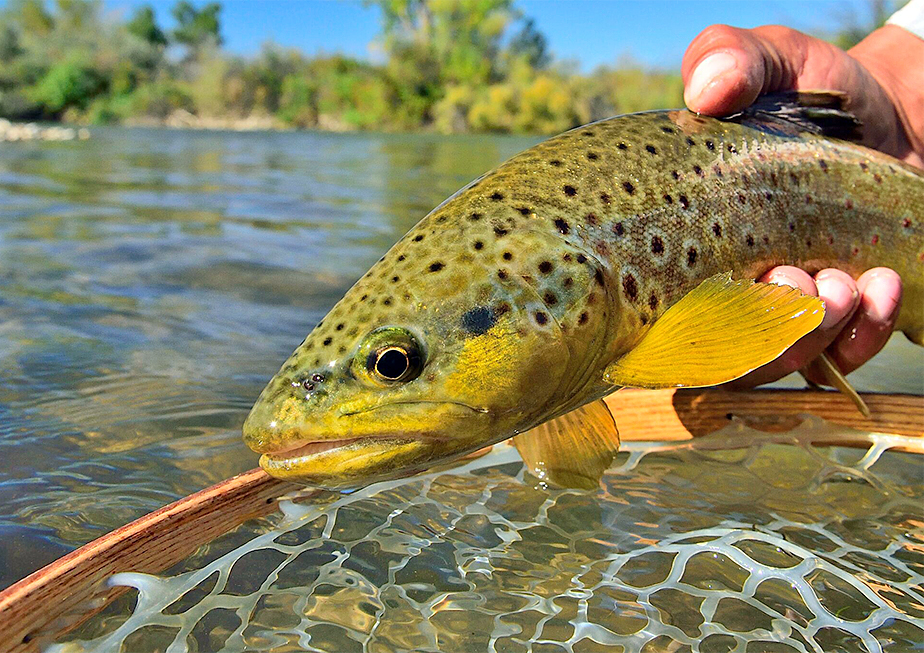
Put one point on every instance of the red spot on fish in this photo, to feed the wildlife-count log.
(848, 204)
(906, 223)
(875, 239)
(830, 240)
(856, 250)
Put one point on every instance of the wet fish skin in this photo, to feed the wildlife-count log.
(520, 289)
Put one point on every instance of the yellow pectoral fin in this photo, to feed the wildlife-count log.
(718, 332)
(572, 450)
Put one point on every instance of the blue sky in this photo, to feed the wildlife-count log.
(592, 32)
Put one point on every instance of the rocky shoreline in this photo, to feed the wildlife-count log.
(12, 131)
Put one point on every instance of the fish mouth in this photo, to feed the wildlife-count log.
(308, 448)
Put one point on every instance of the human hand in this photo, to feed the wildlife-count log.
(725, 69)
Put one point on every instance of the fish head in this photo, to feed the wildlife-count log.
(432, 354)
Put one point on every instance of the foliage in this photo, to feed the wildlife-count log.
(449, 65)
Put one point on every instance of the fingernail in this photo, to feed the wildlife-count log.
(839, 299)
(881, 298)
(780, 279)
(708, 70)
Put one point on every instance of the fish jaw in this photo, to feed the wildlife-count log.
(350, 446)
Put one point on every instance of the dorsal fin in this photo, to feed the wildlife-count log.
(819, 112)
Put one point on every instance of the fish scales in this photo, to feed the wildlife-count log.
(524, 285)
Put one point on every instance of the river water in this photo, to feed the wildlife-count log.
(151, 281)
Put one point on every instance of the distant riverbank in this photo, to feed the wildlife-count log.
(30, 131)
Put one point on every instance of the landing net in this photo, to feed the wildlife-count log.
(741, 541)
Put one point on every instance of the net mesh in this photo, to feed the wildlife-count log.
(740, 541)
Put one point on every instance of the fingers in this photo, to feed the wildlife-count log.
(726, 68)
(869, 329)
(841, 296)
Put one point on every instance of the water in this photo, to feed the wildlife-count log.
(151, 281)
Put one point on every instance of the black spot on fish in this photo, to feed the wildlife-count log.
(340, 326)
(592, 156)
(651, 149)
(545, 267)
(441, 219)
(364, 298)
(500, 232)
(562, 226)
(792, 226)
(541, 318)
(750, 240)
(549, 298)
(668, 199)
(605, 198)
(524, 210)
(675, 174)
(588, 133)
(630, 287)
(436, 266)
(768, 196)
(387, 301)
(691, 257)
(582, 318)
(698, 171)
(622, 146)
(653, 301)
(327, 341)
(657, 245)
(418, 238)
(690, 141)
(717, 229)
(478, 320)
(555, 163)
(684, 202)
(742, 199)
(581, 258)
(629, 187)
(497, 196)
(808, 242)
(667, 130)
(731, 148)
(502, 275)
(507, 256)
(619, 229)
(402, 257)
(570, 191)
(475, 217)
(478, 244)
(396, 279)
(823, 165)
(710, 145)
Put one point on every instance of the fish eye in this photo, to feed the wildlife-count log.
(391, 363)
(390, 355)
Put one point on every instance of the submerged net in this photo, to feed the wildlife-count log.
(740, 541)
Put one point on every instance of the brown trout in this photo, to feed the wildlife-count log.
(620, 253)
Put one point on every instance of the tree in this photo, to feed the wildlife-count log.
(197, 27)
(531, 44)
(144, 25)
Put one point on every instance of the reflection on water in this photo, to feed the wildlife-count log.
(151, 282)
